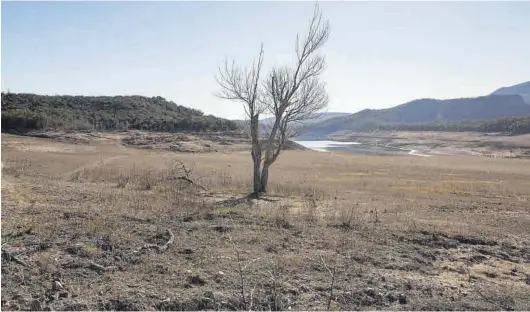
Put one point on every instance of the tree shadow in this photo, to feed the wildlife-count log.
(246, 199)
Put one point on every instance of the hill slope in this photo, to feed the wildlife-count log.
(318, 117)
(522, 89)
(24, 112)
(510, 126)
(424, 111)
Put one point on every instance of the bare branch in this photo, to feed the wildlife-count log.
(293, 94)
(290, 94)
(242, 85)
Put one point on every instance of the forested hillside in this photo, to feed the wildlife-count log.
(511, 126)
(23, 112)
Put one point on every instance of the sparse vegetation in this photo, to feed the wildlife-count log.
(450, 232)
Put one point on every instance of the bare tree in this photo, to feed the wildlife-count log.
(290, 94)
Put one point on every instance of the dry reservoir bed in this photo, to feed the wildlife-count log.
(103, 226)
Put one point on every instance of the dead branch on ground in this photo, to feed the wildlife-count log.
(158, 247)
(332, 273)
(241, 276)
(10, 257)
(100, 268)
(186, 176)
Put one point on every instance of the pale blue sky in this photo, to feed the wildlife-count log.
(380, 54)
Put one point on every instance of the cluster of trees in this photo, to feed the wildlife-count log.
(24, 112)
(512, 126)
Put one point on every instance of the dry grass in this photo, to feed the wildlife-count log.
(400, 232)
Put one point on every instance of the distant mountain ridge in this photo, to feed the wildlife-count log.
(522, 89)
(318, 117)
(508, 102)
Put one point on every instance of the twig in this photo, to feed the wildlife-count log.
(187, 175)
(250, 262)
(499, 306)
(10, 257)
(191, 182)
(251, 298)
(332, 273)
(240, 273)
(275, 292)
(99, 267)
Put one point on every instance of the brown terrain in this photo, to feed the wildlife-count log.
(446, 143)
(140, 221)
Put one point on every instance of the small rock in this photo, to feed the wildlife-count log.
(209, 294)
(187, 251)
(56, 285)
(503, 256)
(221, 228)
(221, 273)
(370, 292)
(196, 280)
(402, 298)
(36, 305)
(391, 297)
(18, 297)
(478, 258)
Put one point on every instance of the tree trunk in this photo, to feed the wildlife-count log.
(264, 177)
(256, 159)
(256, 154)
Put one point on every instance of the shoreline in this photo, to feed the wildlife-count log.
(359, 148)
(446, 143)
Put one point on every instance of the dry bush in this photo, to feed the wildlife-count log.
(123, 180)
(282, 216)
(16, 169)
(310, 209)
(347, 215)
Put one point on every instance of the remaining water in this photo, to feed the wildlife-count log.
(356, 148)
(324, 146)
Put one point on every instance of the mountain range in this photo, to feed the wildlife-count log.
(522, 89)
(506, 102)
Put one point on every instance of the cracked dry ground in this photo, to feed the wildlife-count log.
(351, 233)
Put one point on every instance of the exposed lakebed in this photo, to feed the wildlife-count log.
(357, 148)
